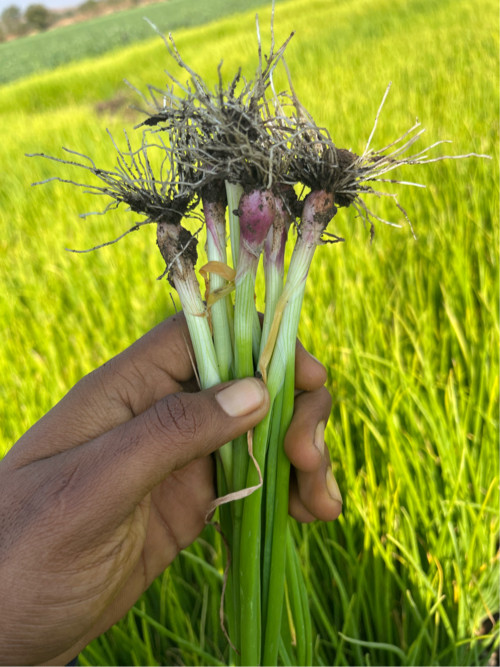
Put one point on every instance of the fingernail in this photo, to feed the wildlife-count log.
(319, 438)
(241, 398)
(332, 486)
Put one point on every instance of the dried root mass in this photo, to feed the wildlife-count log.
(195, 139)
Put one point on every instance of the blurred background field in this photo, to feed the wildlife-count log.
(408, 329)
(97, 35)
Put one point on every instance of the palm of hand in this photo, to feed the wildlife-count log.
(130, 556)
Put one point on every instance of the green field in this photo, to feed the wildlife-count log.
(408, 329)
(61, 45)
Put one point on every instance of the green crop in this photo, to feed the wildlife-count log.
(407, 329)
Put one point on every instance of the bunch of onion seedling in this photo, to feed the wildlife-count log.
(252, 165)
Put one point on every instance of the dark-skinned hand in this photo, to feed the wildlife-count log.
(101, 494)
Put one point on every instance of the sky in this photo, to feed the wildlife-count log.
(50, 4)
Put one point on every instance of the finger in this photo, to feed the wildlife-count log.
(319, 493)
(314, 492)
(305, 438)
(155, 365)
(121, 467)
(296, 507)
(310, 373)
(159, 363)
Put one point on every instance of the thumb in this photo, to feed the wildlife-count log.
(173, 432)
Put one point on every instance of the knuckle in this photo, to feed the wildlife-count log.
(175, 419)
(129, 383)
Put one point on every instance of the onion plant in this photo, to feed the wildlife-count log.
(260, 174)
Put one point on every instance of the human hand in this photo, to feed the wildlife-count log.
(100, 495)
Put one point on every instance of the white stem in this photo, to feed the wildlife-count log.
(216, 251)
(204, 351)
(199, 331)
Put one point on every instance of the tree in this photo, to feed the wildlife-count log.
(90, 7)
(12, 20)
(38, 17)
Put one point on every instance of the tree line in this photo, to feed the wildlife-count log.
(36, 17)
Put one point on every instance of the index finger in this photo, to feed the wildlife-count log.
(155, 365)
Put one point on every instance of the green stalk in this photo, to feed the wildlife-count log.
(318, 209)
(279, 467)
(233, 193)
(304, 598)
(274, 266)
(250, 558)
(274, 288)
(244, 304)
(256, 212)
(317, 212)
(269, 494)
(300, 609)
(222, 323)
(243, 320)
(214, 212)
(277, 486)
(237, 509)
(226, 525)
(214, 209)
(250, 550)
